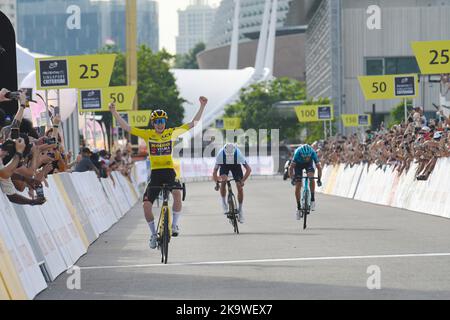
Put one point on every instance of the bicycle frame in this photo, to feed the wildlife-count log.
(165, 219)
(306, 194)
(305, 199)
(231, 203)
(165, 211)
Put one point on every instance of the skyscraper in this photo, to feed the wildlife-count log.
(194, 25)
(72, 27)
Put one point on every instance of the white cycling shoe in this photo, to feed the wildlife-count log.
(153, 241)
(241, 217)
(313, 206)
(175, 231)
(225, 208)
(298, 214)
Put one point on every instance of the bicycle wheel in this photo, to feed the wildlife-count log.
(306, 208)
(160, 229)
(233, 213)
(166, 236)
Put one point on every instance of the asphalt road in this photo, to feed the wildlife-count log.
(272, 258)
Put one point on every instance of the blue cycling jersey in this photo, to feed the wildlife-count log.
(298, 158)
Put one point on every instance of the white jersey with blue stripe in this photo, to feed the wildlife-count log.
(237, 158)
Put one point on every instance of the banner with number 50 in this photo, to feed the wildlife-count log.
(92, 100)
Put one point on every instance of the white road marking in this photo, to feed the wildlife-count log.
(387, 256)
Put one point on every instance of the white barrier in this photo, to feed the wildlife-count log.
(41, 241)
(20, 250)
(386, 187)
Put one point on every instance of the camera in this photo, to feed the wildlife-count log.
(13, 95)
(49, 140)
(40, 191)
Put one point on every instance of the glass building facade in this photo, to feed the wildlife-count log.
(49, 26)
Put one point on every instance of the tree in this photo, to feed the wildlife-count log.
(398, 113)
(256, 106)
(189, 60)
(156, 84)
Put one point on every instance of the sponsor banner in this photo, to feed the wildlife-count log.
(389, 86)
(356, 120)
(314, 113)
(86, 71)
(92, 100)
(433, 57)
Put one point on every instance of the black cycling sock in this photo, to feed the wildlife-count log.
(312, 197)
(298, 205)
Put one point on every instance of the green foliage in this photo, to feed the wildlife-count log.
(189, 60)
(156, 84)
(397, 115)
(256, 106)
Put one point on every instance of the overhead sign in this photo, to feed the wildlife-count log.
(356, 120)
(389, 86)
(87, 71)
(314, 113)
(433, 57)
(90, 100)
(231, 123)
(137, 119)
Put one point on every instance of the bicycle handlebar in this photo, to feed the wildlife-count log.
(228, 180)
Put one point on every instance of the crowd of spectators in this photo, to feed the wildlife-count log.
(416, 140)
(28, 155)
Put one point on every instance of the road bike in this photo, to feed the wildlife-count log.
(232, 213)
(305, 199)
(165, 219)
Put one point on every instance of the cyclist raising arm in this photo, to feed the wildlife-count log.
(228, 159)
(303, 159)
(160, 144)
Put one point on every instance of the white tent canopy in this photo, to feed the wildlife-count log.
(25, 62)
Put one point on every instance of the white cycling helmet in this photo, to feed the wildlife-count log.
(229, 149)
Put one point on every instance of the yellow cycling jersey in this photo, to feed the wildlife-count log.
(160, 145)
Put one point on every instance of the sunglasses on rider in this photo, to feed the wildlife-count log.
(160, 121)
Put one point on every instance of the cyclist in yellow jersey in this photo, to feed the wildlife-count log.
(160, 144)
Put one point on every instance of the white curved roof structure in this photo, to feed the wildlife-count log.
(25, 62)
(221, 87)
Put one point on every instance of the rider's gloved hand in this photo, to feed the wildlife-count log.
(319, 183)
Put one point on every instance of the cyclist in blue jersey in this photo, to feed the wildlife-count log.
(304, 159)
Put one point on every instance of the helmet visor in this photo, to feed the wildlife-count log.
(159, 121)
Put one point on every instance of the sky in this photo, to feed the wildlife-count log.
(168, 21)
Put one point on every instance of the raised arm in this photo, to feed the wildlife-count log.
(9, 169)
(123, 124)
(198, 115)
(19, 115)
